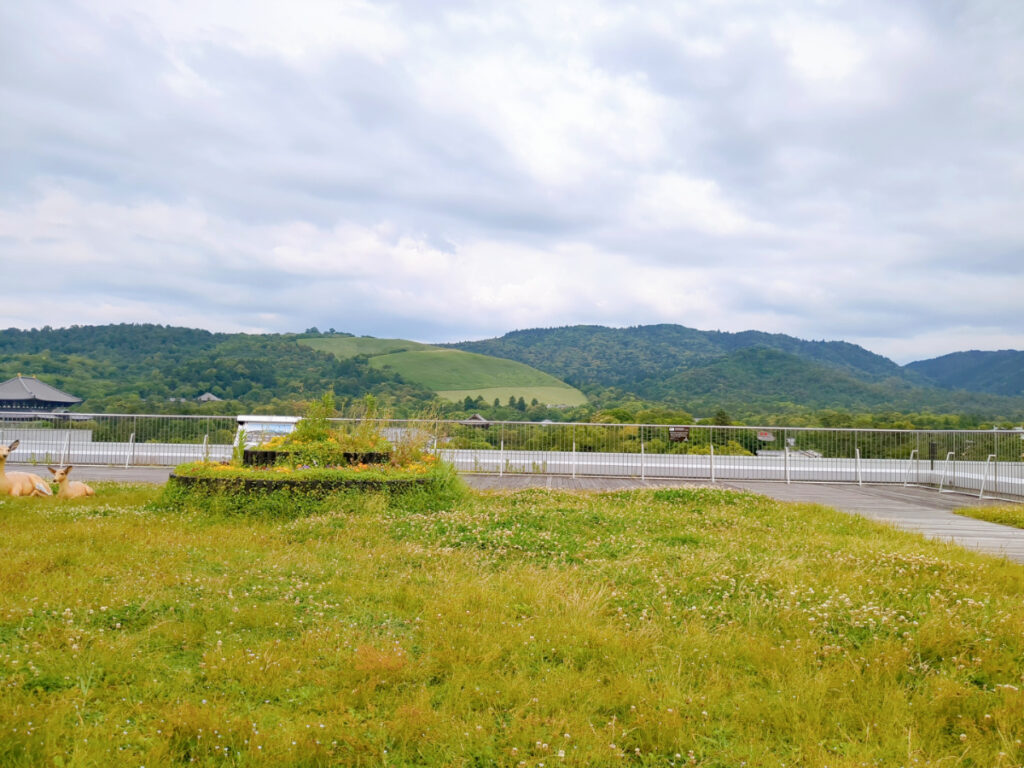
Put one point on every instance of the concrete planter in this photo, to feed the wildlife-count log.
(254, 457)
(320, 486)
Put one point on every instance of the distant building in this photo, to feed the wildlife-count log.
(27, 393)
(208, 397)
(476, 420)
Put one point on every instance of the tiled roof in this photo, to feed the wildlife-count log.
(31, 388)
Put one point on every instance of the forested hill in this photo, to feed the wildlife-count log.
(999, 373)
(759, 380)
(590, 355)
(748, 373)
(154, 368)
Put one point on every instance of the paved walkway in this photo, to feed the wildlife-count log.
(85, 473)
(922, 510)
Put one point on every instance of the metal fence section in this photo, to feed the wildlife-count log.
(986, 462)
(117, 439)
(989, 462)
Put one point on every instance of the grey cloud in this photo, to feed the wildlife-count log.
(913, 167)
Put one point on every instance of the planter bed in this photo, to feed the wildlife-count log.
(287, 493)
(245, 484)
(255, 457)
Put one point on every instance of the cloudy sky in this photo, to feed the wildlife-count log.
(453, 170)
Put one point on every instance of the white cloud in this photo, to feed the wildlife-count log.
(562, 120)
(300, 33)
(821, 52)
(672, 201)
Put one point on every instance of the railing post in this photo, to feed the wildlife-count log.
(711, 444)
(990, 461)
(573, 459)
(501, 457)
(642, 468)
(786, 460)
(857, 452)
(995, 469)
(67, 450)
(206, 447)
(945, 466)
(911, 460)
(130, 453)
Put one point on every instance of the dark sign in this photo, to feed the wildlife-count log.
(678, 434)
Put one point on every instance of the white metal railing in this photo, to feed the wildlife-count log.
(117, 439)
(989, 462)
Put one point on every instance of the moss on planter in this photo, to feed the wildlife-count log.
(287, 492)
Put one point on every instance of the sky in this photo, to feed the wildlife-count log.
(447, 171)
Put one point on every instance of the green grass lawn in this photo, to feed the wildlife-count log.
(656, 628)
(440, 369)
(453, 373)
(1010, 514)
(350, 346)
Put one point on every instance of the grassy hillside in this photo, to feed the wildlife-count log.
(674, 627)
(345, 347)
(452, 373)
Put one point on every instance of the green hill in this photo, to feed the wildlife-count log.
(158, 369)
(759, 379)
(452, 373)
(999, 373)
(749, 373)
(590, 355)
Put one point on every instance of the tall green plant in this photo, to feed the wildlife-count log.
(314, 426)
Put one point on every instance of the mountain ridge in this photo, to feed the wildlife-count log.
(999, 372)
(151, 368)
(673, 363)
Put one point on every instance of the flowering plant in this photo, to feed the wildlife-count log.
(317, 442)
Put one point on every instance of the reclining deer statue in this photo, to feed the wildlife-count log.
(20, 483)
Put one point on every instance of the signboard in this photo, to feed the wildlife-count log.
(258, 429)
(678, 434)
(765, 436)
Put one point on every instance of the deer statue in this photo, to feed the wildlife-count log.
(20, 483)
(69, 489)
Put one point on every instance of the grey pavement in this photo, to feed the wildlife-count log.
(921, 510)
(916, 509)
(86, 473)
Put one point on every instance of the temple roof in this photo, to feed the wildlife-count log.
(30, 388)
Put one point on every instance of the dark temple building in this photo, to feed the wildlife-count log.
(27, 393)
